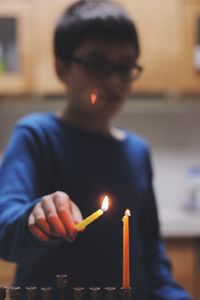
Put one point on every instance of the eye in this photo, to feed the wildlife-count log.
(96, 65)
(125, 68)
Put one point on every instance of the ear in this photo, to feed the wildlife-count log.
(61, 69)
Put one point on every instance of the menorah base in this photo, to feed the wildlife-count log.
(64, 292)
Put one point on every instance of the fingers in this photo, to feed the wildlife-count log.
(62, 203)
(36, 230)
(68, 222)
(76, 213)
(40, 219)
(55, 215)
(39, 233)
(57, 225)
(49, 207)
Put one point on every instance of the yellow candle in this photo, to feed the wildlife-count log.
(126, 254)
(81, 226)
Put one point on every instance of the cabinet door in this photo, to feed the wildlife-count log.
(160, 29)
(14, 48)
(7, 271)
(184, 256)
(44, 78)
(191, 46)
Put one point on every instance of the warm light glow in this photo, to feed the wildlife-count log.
(105, 203)
(91, 218)
(93, 97)
(128, 213)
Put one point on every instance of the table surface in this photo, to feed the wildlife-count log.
(179, 223)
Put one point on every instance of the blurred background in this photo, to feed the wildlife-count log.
(164, 106)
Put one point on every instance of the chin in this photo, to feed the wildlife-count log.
(114, 104)
(111, 109)
(107, 106)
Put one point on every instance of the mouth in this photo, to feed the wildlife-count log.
(99, 98)
(111, 98)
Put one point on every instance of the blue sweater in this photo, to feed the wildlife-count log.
(47, 155)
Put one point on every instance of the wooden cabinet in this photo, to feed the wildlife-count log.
(185, 258)
(167, 31)
(15, 47)
(191, 13)
(160, 29)
(6, 273)
(44, 78)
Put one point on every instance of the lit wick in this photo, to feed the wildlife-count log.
(93, 97)
(81, 226)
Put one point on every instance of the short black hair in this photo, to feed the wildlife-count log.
(93, 19)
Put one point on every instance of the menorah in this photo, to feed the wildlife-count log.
(64, 292)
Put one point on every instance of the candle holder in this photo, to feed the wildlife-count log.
(79, 293)
(94, 293)
(46, 293)
(2, 292)
(125, 293)
(61, 281)
(31, 292)
(15, 292)
(110, 293)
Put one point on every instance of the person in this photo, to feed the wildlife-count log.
(58, 166)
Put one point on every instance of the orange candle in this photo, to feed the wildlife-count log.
(126, 254)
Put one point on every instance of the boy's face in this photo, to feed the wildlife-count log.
(98, 78)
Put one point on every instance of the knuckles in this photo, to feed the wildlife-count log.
(60, 194)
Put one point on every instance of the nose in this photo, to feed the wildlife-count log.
(113, 81)
(115, 84)
(115, 89)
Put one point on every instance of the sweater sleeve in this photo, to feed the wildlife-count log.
(20, 180)
(158, 267)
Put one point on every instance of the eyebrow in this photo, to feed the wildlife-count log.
(102, 56)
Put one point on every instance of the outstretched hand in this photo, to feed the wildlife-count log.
(55, 216)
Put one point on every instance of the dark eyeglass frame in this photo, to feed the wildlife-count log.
(124, 70)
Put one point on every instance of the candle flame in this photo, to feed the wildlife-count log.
(105, 203)
(93, 97)
(128, 213)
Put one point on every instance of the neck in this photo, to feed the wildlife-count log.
(92, 125)
(89, 123)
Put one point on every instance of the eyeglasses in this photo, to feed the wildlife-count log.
(102, 68)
